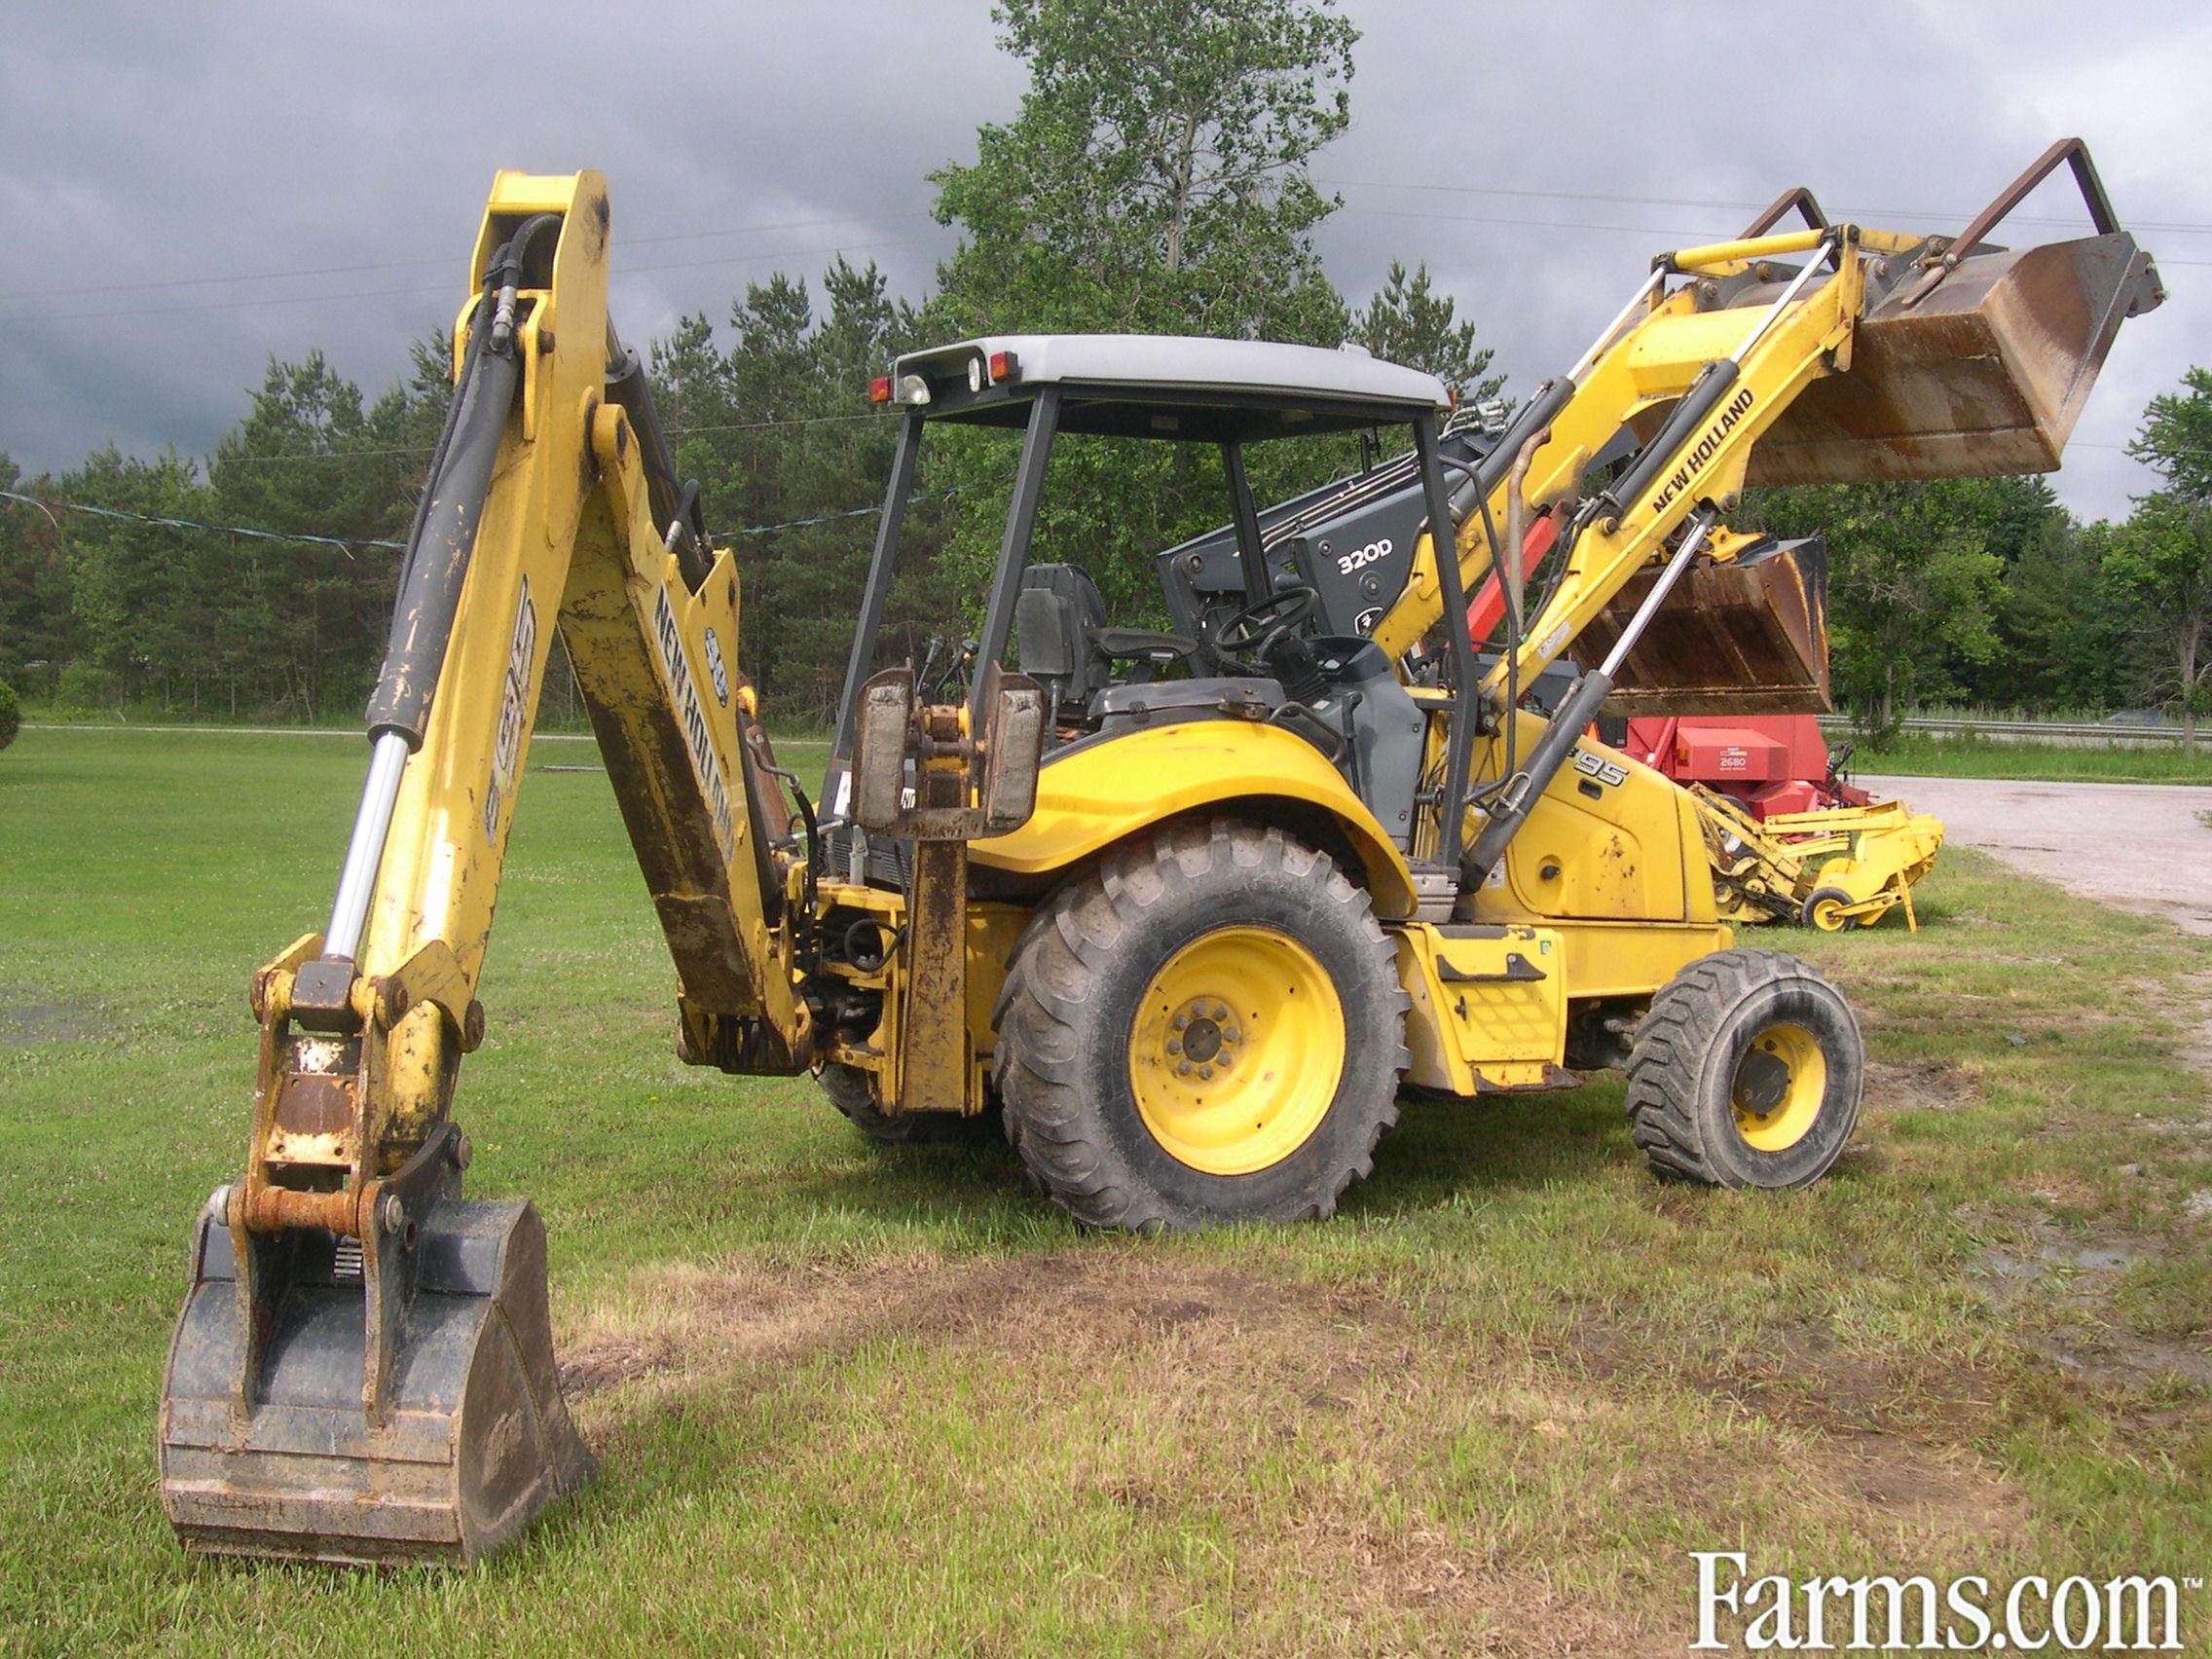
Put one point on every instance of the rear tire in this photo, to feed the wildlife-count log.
(1207, 1028)
(1747, 1072)
(848, 1090)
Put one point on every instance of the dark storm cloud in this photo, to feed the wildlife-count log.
(159, 143)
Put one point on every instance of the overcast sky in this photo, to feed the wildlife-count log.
(165, 165)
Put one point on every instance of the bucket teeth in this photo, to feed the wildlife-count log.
(476, 1438)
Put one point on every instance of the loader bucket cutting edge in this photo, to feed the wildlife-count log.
(1984, 375)
(476, 1441)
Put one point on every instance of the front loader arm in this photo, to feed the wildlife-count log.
(1879, 355)
(549, 505)
(1700, 385)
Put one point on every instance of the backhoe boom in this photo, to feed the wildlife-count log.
(362, 1346)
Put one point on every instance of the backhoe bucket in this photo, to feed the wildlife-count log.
(281, 1459)
(1748, 639)
(1981, 374)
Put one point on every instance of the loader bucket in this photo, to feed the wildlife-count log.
(1982, 374)
(475, 1438)
(1749, 638)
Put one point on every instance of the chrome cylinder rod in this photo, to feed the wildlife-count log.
(1772, 313)
(1684, 557)
(364, 853)
(1613, 329)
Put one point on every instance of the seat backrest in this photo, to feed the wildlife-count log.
(1054, 614)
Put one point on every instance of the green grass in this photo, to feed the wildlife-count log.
(1914, 755)
(856, 1399)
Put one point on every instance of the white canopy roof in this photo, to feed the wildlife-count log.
(1181, 367)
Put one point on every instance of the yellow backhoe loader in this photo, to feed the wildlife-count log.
(1187, 910)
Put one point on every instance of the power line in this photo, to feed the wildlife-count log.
(2191, 227)
(440, 287)
(1588, 225)
(441, 259)
(237, 459)
(347, 543)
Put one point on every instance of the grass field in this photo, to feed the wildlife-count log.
(872, 1400)
(1915, 755)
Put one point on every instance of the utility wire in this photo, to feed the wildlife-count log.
(1867, 215)
(1608, 198)
(237, 459)
(347, 543)
(1586, 225)
(47, 504)
(443, 259)
(435, 287)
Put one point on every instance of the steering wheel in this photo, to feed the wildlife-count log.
(1255, 630)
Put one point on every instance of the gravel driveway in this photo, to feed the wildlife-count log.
(2140, 846)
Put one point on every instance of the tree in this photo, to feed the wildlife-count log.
(2062, 626)
(35, 608)
(140, 590)
(2161, 559)
(1912, 584)
(2175, 439)
(1408, 323)
(1156, 175)
(779, 433)
(1154, 179)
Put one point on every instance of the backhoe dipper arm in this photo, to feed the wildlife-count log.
(548, 505)
(541, 512)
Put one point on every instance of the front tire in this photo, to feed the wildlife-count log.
(1747, 1072)
(1207, 1028)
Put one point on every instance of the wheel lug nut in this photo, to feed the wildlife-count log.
(1181, 1021)
(1228, 1034)
(1206, 1071)
(1174, 1044)
(1221, 1059)
(1183, 1070)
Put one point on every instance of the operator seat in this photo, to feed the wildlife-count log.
(1060, 634)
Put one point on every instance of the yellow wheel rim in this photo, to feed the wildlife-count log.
(1779, 1086)
(1237, 1051)
(1828, 916)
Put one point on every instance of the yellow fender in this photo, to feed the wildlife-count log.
(1092, 794)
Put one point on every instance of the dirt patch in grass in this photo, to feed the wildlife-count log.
(1177, 1383)
(2065, 1285)
(26, 1020)
(685, 1319)
(1889, 1436)
(1918, 1086)
(2195, 1049)
(1212, 1369)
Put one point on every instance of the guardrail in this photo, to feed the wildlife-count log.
(2028, 731)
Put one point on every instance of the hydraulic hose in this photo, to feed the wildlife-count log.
(443, 537)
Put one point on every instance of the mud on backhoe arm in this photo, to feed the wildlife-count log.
(363, 1369)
